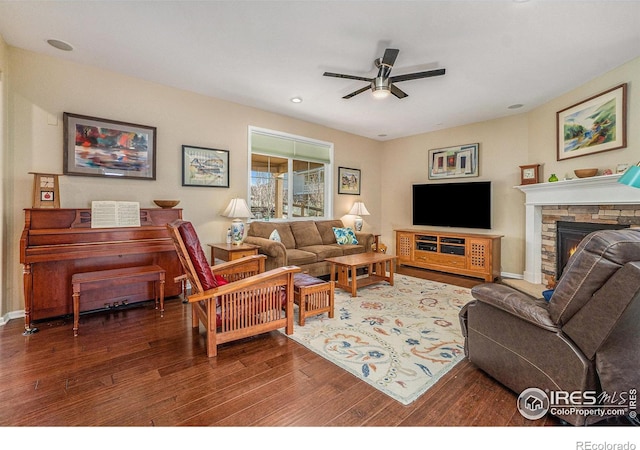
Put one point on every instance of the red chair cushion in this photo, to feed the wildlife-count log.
(220, 281)
(197, 256)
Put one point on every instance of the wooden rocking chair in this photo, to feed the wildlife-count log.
(235, 299)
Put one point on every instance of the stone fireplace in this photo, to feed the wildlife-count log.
(597, 200)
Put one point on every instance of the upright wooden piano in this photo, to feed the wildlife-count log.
(56, 243)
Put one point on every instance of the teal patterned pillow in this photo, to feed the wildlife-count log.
(345, 236)
(275, 236)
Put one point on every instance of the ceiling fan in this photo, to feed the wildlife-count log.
(382, 85)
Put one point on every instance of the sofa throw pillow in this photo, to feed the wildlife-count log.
(275, 236)
(345, 236)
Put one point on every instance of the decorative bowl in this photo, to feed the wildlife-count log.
(166, 203)
(585, 173)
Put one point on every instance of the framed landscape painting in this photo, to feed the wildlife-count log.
(453, 162)
(108, 148)
(594, 125)
(348, 181)
(205, 167)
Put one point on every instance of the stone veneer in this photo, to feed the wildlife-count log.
(604, 214)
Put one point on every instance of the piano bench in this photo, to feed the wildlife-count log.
(94, 280)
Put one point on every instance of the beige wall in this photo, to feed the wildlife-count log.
(505, 144)
(503, 147)
(542, 122)
(42, 88)
(4, 177)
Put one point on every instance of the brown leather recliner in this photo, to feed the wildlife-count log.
(586, 338)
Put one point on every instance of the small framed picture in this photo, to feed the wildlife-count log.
(348, 181)
(453, 162)
(47, 196)
(205, 167)
(622, 168)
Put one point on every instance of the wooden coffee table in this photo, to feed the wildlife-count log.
(346, 267)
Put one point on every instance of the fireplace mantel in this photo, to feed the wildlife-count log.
(601, 190)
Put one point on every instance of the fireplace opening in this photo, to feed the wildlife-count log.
(569, 235)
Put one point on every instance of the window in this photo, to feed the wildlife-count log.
(290, 176)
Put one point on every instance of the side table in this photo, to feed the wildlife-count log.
(376, 242)
(230, 252)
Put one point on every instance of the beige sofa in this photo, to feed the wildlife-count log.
(305, 244)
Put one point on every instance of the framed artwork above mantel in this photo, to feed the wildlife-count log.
(594, 125)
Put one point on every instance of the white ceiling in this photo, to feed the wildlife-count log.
(263, 53)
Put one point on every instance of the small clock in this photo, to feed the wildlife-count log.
(530, 174)
(46, 192)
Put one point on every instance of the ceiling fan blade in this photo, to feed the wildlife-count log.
(417, 75)
(349, 77)
(398, 92)
(359, 91)
(390, 56)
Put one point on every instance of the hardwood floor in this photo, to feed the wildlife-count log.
(135, 368)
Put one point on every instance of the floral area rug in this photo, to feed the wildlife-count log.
(400, 339)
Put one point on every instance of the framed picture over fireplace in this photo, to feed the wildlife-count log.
(594, 125)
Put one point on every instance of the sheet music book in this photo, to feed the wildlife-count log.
(109, 214)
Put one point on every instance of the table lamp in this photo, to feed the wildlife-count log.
(238, 210)
(358, 210)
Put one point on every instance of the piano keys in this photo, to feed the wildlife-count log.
(56, 243)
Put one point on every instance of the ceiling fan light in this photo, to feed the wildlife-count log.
(380, 87)
(381, 92)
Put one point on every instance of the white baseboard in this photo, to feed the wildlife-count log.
(11, 315)
(515, 276)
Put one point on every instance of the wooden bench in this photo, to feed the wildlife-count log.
(93, 280)
(313, 296)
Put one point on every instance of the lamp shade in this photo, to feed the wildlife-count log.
(358, 209)
(631, 177)
(237, 208)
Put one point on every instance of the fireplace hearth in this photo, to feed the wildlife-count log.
(569, 235)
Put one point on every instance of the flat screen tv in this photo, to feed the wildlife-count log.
(463, 205)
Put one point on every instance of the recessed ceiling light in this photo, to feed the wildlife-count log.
(382, 135)
(296, 100)
(515, 106)
(60, 45)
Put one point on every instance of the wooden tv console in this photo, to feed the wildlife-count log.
(473, 255)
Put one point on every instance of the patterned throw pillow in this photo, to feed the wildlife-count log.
(275, 236)
(345, 236)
